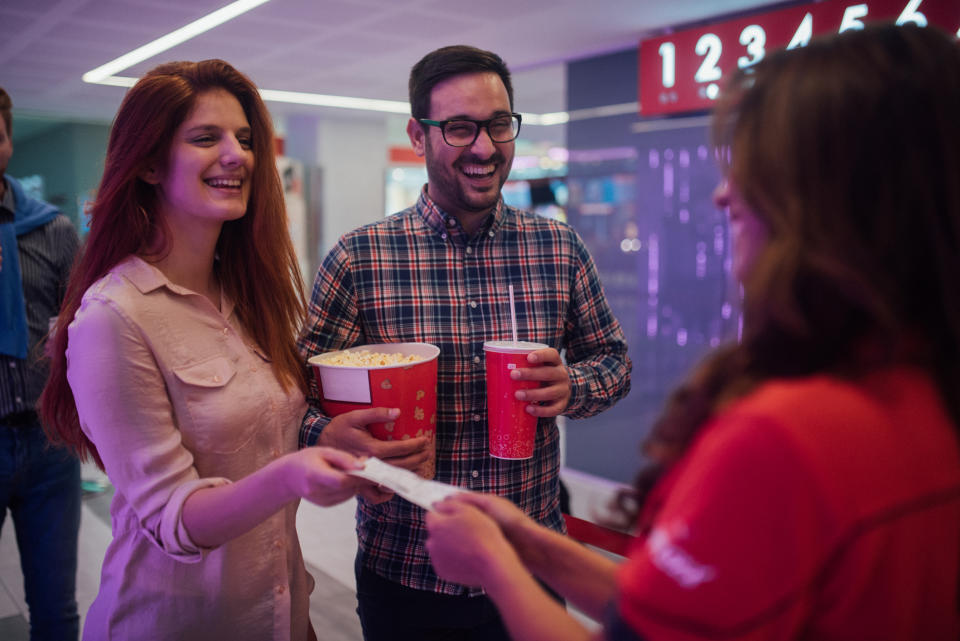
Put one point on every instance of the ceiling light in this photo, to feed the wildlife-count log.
(171, 40)
(104, 74)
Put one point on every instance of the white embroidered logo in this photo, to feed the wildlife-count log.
(676, 562)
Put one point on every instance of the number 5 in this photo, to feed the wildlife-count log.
(851, 17)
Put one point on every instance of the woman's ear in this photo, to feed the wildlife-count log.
(151, 176)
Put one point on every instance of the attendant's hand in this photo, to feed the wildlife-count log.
(349, 432)
(466, 546)
(553, 395)
(319, 474)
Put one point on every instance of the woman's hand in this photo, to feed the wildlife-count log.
(319, 474)
(466, 545)
(511, 519)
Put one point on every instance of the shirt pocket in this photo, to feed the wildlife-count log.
(211, 399)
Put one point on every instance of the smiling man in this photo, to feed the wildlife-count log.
(439, 273)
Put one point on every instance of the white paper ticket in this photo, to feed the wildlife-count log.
(415, 489)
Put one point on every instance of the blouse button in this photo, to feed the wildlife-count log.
(490, 233)
(226, 330)
(281, 589)
(476, 359)
(216, 379)
(443, 236)
(278, 544)
(473, 304)
(476, 417)
(253, 369)
(451, 222)
(275, 453)
(474, 474)
(469, 250)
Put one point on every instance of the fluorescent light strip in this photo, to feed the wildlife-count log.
(171, 40)
(345, 102)
(104, 74)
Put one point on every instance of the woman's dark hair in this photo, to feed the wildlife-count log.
(446, 62)
(257, 267)
(849, 150)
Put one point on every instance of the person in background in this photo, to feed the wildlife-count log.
(174, 365)
(439, 273)
(806, 482)
(39, 484)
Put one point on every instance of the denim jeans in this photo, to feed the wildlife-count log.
(40, 485)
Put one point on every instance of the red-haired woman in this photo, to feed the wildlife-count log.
(806, 481)
(173, 364)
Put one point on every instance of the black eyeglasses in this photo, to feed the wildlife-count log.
(462, 132)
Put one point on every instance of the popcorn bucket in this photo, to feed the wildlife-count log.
(370, 376)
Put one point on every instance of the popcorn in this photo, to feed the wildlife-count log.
(366, 358)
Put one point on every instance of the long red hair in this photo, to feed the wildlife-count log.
(257, 267)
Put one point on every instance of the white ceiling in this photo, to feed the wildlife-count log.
(361, 48)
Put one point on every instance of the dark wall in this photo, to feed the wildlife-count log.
(640, 197)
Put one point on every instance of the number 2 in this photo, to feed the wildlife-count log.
(710, 47)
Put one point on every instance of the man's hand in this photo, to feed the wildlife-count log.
(349, 432)
(553, 395)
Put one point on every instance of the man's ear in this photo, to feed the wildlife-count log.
(417, 136)
(151, 176)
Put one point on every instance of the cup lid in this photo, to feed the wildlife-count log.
(512, 347)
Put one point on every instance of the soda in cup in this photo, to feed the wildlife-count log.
(512, 430)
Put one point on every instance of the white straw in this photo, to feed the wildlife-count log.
(513, 314)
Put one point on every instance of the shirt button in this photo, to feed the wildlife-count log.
(13, 365)
(216, 379)
(474, 474)
(473, 304)
(281, 589)
(443, 236)
(275, 453)
(469, 250)
(451, 222)
(490, 234)
(476, 359)
(476, 417)
(278, 544)
(226, 330)
(17, 399)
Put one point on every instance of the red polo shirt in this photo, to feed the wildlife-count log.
(811, 509)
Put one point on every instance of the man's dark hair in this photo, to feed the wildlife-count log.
(6, 111)
(443, 63)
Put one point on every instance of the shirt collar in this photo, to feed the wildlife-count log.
(147, 278)
(446, 224)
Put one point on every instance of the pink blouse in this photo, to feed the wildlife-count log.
(176, 398)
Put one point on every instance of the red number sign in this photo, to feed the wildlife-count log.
(684, 71)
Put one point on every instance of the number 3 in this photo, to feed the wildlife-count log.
(753, 38)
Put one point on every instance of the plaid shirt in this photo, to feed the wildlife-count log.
(417, 277)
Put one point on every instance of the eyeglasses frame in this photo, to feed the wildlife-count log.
(481, 124)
